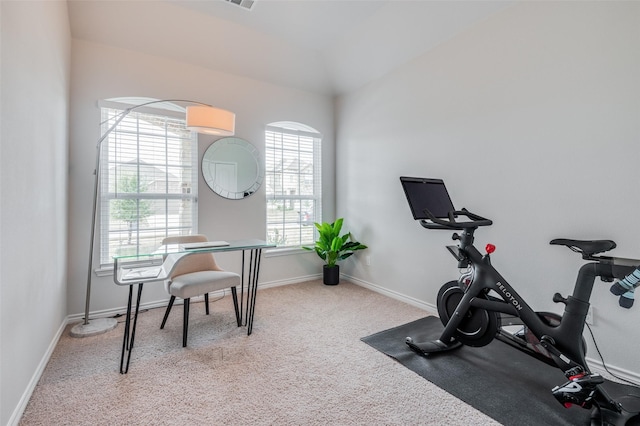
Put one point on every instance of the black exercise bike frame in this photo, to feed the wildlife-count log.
(565, 337)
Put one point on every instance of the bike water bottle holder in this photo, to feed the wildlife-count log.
(466, 277)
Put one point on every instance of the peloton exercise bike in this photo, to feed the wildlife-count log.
(481, 305)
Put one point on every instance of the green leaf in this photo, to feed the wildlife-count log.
(336, 244)
(337, 226)
(322, 254)
(353, 245)
(344, 256)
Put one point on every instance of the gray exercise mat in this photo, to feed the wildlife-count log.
(502, 382)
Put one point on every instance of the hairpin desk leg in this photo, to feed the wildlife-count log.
(246, 276)
(256, 254)
(234, 293)
(249, 288)
(240, 323)
(129, 334)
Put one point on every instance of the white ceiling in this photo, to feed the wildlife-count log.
(325, 46)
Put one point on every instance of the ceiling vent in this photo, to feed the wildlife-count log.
(245, 4)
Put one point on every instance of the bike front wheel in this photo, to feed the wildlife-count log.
(478, 327)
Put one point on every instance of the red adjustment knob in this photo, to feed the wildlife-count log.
(490, 248)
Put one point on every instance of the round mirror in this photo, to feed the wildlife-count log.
(232, 168)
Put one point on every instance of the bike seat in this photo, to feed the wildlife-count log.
(587, 248)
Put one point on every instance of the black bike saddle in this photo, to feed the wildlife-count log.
(587, 248)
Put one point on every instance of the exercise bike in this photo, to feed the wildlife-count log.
(481, 305)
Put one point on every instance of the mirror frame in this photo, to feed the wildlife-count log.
(208, 168)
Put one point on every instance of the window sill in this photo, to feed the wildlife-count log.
(104, 271)
(284, 251)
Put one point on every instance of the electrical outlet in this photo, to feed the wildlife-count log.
(367, 260)
(589, 318)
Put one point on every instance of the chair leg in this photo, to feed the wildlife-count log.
(185, 323)
(166, 313)
(206, 303)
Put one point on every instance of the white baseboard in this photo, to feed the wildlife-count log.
(26, 395)
(614, 373)
(297, 280)
(113, 312)
(394, 295)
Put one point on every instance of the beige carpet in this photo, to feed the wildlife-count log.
(304, 364)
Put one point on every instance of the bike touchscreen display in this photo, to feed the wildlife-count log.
(431, 194)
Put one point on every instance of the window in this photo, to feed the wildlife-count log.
(293, 183)
(148, 179)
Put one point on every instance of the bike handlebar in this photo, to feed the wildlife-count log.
(452, 224)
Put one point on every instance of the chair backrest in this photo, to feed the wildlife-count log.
(194, 262)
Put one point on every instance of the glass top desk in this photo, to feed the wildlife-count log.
(139, 269)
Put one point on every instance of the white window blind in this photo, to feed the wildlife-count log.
(148, 181)
(293, 183)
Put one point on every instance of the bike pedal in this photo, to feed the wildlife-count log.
(579, 390)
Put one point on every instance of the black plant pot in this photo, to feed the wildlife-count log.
(331, 274)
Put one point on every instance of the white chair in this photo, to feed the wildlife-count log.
(195, 275)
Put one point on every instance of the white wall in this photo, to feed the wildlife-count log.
(36, 46)
(100, 72)
(532, 118)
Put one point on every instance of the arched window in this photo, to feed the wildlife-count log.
(149, 178)
(293, 183)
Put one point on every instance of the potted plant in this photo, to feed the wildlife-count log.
(331, 247)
